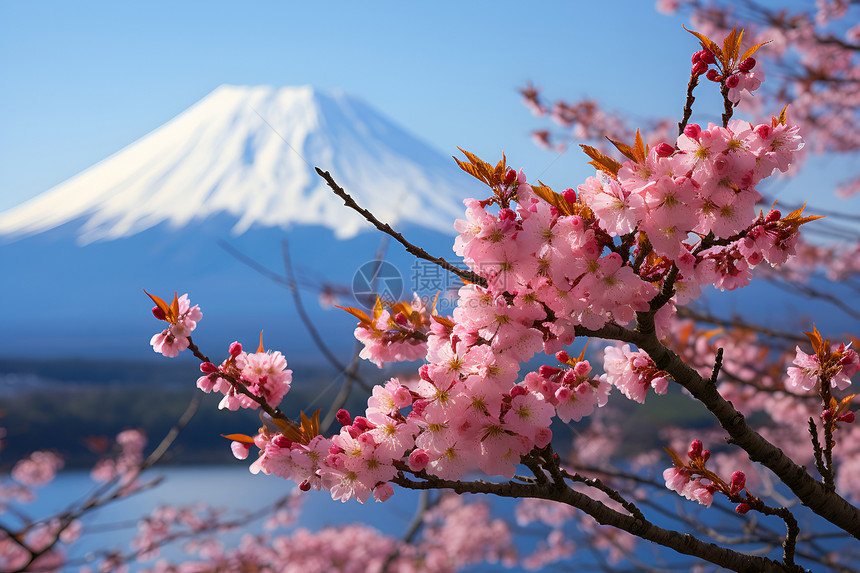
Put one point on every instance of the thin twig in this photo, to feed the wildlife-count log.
(385, 228)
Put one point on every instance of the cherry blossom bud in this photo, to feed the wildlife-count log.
(714, 75)
(282, 441)
(847, 417)
(695, 449)
(563, 394)
(742, 508)
(582, 368)
(739, 480)
(543, 436)
(424, 373)
(692, 131)
(305, 486)
(353, 432)
(518, 391)
(773, 216)
(418, 460)
(401, 397)
(569, 196)
(763, 130)
(507, 215)
(419, 406)
(747, 65)
(708, 57)
(562, 356)
(755, 258)
(401, 319)
(383, 491)
(699, 68)
(235, 349)
(158, 313)
(664, 150)
(343, 417)
(706, 454)
(547, 371)
(697, 57)
(510, 176)
(208, 368)
(733, 81)
(363, 423)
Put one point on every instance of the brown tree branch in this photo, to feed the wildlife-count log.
(385, 228)
(604, 515)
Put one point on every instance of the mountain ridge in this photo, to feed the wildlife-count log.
(250, 152)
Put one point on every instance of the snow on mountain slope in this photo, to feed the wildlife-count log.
(249, 152)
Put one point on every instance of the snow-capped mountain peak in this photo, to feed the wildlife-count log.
(249, 152)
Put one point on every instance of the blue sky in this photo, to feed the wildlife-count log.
(81, 80)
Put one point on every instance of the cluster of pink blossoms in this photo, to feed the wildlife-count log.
(672, 218)
(393, 334)
(807, 372)
(633, 372)
(696, 483)
(263, 374)
(182, 319)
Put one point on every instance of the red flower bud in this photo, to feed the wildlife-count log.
(773, 216)
(282, 441)
(518, 391)
(697, 57)
(158, 313)
(692, 131)
(235, 349)
(733, 81)
(706, 455)
(708, 57)
(569, 196)
(401, 319)
(546, 370)
(305, 486)
(699, 68)
(763, 130)
(562, 356)
(847, 417)
(208, 368)
(742, 508)
(739, 480)
(343, 417)
(507, 215)
(747, 65)
(664, 150)
(695, 449)
(510, 176)
(714, 75)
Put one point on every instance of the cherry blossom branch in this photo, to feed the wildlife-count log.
(821, 500)
(385, 228)
(274, 413)
(688, 105)
(605, 515)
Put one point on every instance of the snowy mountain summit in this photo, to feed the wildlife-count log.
(249, 152)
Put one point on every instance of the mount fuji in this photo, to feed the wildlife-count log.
(236, 168)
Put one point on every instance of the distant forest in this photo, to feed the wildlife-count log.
(76, 407)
